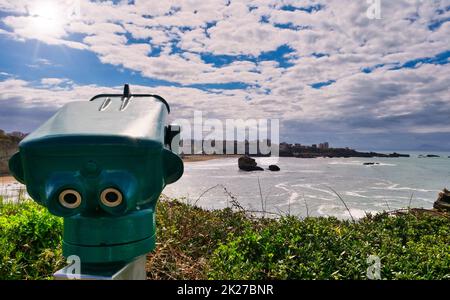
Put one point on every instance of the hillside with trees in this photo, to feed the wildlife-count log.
(8, 146)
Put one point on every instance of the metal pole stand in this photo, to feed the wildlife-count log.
(134, 270)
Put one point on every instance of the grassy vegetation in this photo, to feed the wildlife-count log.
(230, 244)
(409, 247)
(29, 241)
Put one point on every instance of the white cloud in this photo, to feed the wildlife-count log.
(55, 82)
(180, 32)
(341, 30)
(358, 101)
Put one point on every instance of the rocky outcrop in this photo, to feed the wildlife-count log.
(246, 163)
(8, 146)
(308, 152)
(395, 155)
(274, 168)
(443, 201)
(428, 156)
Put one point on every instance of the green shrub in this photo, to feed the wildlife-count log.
(193, 243)
(408, 246)
(30, 241)
(186, 238)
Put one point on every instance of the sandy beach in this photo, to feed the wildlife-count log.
(195, 158)
(5, 179)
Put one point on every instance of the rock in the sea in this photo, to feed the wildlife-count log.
(395, 154)
(443, 201)
(246, 163)
(274, 168)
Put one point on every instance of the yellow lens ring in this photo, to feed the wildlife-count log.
(111, 197)
(70, 199)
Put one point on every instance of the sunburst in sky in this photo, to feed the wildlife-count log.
(46, 18)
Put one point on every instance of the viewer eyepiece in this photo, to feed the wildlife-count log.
(111, 197)
(70, 199)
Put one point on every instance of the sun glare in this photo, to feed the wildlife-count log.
(47, 18)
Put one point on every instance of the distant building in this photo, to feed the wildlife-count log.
(314, 146)
(324, 146)
(284, 146)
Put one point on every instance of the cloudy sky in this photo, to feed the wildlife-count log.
(328, 70)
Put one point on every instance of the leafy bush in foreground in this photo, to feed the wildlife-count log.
(193, 243)
(29, 241)
(186, 238)
(409, 247)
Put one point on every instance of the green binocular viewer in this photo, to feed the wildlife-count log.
(102, 165)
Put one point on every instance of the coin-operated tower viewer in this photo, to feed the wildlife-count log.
(102, 165)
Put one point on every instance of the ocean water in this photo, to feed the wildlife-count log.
(308, 187)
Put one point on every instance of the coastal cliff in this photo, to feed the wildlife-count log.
(8, 146)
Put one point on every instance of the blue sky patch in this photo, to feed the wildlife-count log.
(221, 86)
(437, 24)
(38, 60)
(291, 26)
(278, 55)
(369, 70)
(308, 9)
(320, 85)
(439, 59)
(319, 55)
